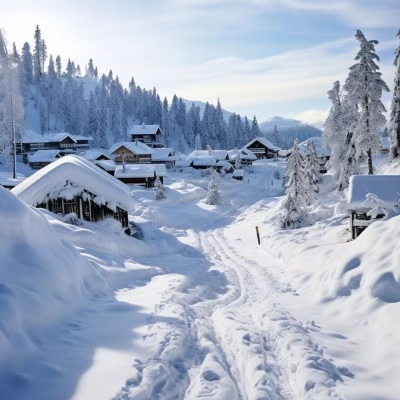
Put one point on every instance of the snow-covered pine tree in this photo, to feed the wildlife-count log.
(255, 129)
(338, 136)
(37, 54)
(159, 193)
(364, 86)
(311, 171)
(395, 108)
(11, 108)
(294, 214)
(213, 196)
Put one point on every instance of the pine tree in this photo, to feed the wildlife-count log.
(58, 66)
(255, 129)
(159, 193)
(11, 108)
(364, 86)
(338, 136)
(395, 108)
(294, 214)
(15, 55)
(37, 55)
(26, 66)
(311, 171)
(213, 196)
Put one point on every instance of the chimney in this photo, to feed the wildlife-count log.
(143, 126)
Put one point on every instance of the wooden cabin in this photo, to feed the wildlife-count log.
(362, 208)
(131, 153)
(41, 158)
(147, 134)
(66, 143)
(262, 148)
(140, 174)
(73, 184)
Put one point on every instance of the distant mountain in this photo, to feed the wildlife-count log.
(288, 130)
(279, 122)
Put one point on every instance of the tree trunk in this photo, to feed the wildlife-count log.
(370, 168)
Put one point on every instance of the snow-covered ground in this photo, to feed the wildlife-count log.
(198, 309)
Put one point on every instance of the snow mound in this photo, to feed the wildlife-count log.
(43, 280)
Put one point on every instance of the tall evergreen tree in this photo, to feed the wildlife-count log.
(395, 108)
(255, 129)
(37, 54)
(312, 171)
(11, 107)
(364, 86)
(294, 214)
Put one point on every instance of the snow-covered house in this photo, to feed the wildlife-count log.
(131, 153)
(148, 134)
(41, 158)
(262, 148)
(94, 155)
(73, 184)
(141, 174)
(220, 155)
(368, 197)
(163, 155)
(31, 142)
(203, 162)
(246, 156)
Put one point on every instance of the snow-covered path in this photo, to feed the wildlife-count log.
(236, 339)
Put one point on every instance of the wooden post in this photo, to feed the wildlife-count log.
(258, 235)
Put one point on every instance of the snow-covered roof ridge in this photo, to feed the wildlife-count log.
(134, 147)
(50, 181)
(263, 141)
(144, 129)
(30, 136)
(140, 170)
(385, 187)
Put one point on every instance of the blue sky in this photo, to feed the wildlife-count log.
(260, 57)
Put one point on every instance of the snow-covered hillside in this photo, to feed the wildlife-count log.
(198, 309)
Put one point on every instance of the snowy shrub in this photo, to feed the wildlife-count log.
(213, 196)
(72, 219)
(277, 175)
(377, 209)
(160, 191)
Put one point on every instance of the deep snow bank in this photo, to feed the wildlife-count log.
(42, 280)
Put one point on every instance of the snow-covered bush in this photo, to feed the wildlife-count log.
(159, 194)
(213, 196)
(72, 219)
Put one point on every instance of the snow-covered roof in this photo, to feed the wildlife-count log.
(133, 147)
(245, 154)
(43, 156)
(162, 154)
(385, 187)
(94, 154)
(263, 141)
(30, 136)
(144, 129)
(183, 163)
(135, 171)
(218, 154)
(7, 180)
(50, 182)
(204, 161)
(319, 144)
(160, 170)
(107, 165)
